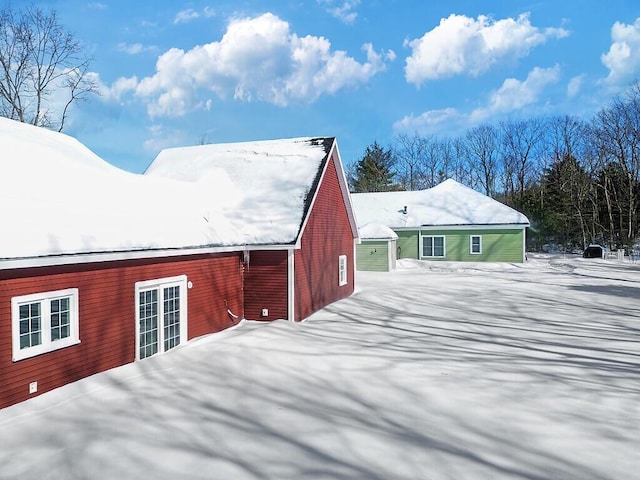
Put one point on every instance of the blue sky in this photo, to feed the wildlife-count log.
(175, 73)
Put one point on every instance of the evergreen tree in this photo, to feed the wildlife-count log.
(567, 213)
(375, 171)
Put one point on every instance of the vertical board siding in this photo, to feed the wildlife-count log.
(106, 299)
(266, 285)
(373, 255)
(327, 235)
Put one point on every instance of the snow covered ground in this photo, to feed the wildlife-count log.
(435, 371)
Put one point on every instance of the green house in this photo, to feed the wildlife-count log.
(447, 222)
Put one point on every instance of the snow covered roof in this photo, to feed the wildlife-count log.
(447, 204)
(265, 188)
(59, 198)
(377, 231)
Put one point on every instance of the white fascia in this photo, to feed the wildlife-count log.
(506, 226)
(97, 257)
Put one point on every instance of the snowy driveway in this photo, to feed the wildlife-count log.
(457, 371)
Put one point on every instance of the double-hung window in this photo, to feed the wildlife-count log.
(44, 322)
(433, 246)
(475, 244)
(342, 270)
(161, 315)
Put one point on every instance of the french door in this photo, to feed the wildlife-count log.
(161, 315)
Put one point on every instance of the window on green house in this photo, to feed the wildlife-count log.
(433, 246)
(475, 244)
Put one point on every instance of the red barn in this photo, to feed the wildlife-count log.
(100, 267)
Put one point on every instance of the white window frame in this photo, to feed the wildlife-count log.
(47, 344)
(444, 246)
(479, 237)
(342, 270)
(160, 284)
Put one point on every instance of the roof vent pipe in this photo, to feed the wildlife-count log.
(404, 210)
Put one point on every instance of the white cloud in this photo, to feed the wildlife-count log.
(162, 138)
(256, 59)
(514, 94)
(97, 6)
(574, 86)
(623, 58)
(185, 16)
(428, 122)
(342, 10)
(121, 87)
(118, 89)
(189, 14)
(134, 48)
(464, 45)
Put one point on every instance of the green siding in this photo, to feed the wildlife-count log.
(497, 245)
(504, 245)
(408, 244)
(373, 256)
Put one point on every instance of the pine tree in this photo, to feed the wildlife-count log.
(375, 171)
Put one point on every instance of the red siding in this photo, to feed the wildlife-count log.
(327, 235)
(266, 285)
(107, 316)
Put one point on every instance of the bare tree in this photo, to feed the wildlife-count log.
(43, 70)
(617, 132)
(437, 156)
(523, 142)
(482, 148)
(459, 168)
(410, 151)
(570, 146)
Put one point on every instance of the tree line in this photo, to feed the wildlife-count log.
(578, 181)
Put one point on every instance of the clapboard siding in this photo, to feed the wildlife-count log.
(326, 236)
(266, 285)
(373, 256)
(106, 309)
(498, 245)
(504, 245)
(407, 244)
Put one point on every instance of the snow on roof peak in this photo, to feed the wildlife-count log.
(447, 204)
(265, 182)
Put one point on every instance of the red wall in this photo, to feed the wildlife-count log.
(107, 314)
(265, 278)
(327, 236)
(220, 282)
